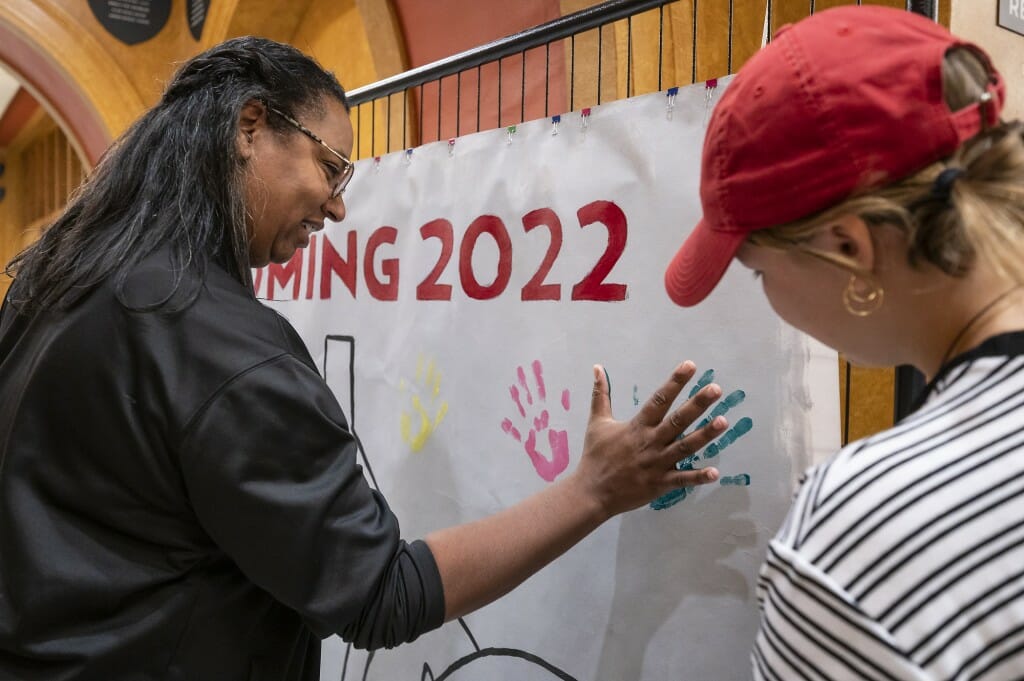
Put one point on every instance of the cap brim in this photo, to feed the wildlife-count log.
(699, 264)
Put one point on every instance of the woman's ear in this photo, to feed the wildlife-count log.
(849, 238)
(251, 119)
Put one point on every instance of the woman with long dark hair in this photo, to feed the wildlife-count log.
(179, 492)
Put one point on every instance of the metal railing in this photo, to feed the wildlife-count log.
(434, 101)
(394, 127)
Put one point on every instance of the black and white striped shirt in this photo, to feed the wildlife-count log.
(903, 556)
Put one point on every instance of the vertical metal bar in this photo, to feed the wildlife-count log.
(373, 128)
(439, 81)
(356, 146)
(547, 77)
(499, 93)
(387, 137)
(458, 103)
(928, 8)
(600, 50)
(729, 66)
(405, 113)
(661, 42)
(522, 94)
(769, 19)
(572, 71)
(478, 70)
(693, 77)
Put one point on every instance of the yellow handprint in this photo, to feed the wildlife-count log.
(429, 382)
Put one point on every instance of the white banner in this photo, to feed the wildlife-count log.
(456, 313)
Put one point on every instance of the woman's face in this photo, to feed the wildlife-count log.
(803, 290)
(290, 178)
(807, 293)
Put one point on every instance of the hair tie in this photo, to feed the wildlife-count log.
(943, 184)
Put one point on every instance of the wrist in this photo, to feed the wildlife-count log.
(592, 505)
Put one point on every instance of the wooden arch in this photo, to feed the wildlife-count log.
(69, 73)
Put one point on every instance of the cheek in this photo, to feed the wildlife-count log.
(795, 306)
(816, 312)
(780, 297)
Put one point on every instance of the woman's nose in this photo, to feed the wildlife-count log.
(335, 208)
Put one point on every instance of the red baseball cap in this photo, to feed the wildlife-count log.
(845, 100)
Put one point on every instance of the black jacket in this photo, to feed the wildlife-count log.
(180, 498)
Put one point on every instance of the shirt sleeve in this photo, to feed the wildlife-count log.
(272, 474)
(812, 629)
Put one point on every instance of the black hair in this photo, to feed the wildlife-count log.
(174, 179)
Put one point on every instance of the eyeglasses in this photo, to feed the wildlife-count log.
(347, 169)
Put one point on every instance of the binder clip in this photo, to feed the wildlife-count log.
(709, 93)
(670, 96)
(451, 147)
(408, 157)
(511, 130)
(555, 120)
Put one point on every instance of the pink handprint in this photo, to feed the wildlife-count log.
(558, 440)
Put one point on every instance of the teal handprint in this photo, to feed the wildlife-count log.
(713, 449)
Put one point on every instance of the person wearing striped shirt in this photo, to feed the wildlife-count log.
(860, 167)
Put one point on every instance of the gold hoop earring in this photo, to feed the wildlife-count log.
(859, 303)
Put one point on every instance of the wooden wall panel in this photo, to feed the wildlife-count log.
(748, 30)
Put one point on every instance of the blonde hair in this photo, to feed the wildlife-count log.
(982, 222)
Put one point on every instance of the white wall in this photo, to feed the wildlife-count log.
(975, 20)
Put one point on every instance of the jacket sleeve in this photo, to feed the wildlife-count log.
(271, 471)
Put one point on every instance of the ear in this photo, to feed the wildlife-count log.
(251, 119)
(850, 238)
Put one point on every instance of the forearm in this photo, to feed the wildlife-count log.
(481, 561)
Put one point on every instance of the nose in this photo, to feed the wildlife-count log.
(335, 208)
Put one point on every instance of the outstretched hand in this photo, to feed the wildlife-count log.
(626, 464)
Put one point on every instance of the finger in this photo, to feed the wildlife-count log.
(702, 476)
(741, 428)
(690, 411)
(688, 446)
(731, 400)
(658, 404)
(600, 400)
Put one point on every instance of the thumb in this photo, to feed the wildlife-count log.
(600, 401)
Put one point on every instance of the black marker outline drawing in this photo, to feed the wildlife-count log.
(427, 673)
